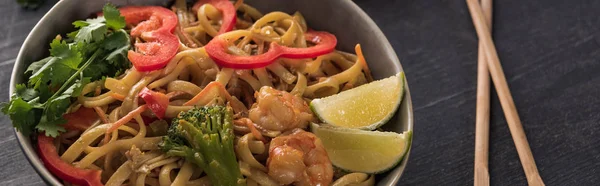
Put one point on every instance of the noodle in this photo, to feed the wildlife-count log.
(184, 175)
(245, 154)
(164, 177)
(358, 179)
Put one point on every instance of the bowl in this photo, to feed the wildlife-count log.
(341, 17)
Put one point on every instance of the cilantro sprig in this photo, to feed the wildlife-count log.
(96, 50)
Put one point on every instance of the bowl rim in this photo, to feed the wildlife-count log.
(29, 150)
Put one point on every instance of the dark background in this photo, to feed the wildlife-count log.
(550, 51)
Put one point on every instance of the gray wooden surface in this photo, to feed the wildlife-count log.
(550, 51)
(15, 24)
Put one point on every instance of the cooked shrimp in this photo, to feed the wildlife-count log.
(299, 158)
(279, 110)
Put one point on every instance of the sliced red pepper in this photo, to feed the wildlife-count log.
(63, 170)
(81, 119)
(159, 49)
(155, 25)
(217, 50)
(226, 8)
(156, 101)
(325, 43)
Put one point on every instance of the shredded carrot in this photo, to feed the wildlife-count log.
(101, 114)
(186, 37)
(206, 90)
(117, 96)
(114, 126)
(361, 59)
(253, 130)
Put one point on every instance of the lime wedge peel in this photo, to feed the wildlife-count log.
(365, 107)
(356, 150)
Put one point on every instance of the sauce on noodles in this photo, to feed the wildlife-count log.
(118, 132)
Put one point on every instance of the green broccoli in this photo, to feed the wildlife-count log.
(205, 137)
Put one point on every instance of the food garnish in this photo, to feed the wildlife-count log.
(155, 25)
(217, 50)
(365, 107)
(226, 8)
(98, 49)
(49, 155)
(357, 150)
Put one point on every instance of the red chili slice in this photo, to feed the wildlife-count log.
(325, 43)
(156, 101)
(226, 8)
(217, 50)
(81, 119)
(63, 170)
(155, 25)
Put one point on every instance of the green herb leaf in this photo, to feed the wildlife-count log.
(116, 40)
(92, 30)
(56, 80)
(56, 107)
(64, 60)
(22, 115)
(25, 93)
(51, 128)
(36, 66)
(119, 43)
(113, 17)
(80, 24)
(77, 87)
(95, 71)
(116, 61)
(44, 92)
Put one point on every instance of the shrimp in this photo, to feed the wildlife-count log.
(279, 110)
(299, 158)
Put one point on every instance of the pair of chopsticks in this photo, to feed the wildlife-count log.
(488, 61)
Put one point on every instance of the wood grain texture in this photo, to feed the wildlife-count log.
(550, 51)
(550, 55)
(16, 25)
(506, 100)
(482, 114)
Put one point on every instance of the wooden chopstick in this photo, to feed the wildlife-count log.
(482, 116)
(506, 100)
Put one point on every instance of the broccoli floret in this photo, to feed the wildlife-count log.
(205, 137)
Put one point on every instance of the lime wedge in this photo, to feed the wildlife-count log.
(357, 150)
(364, 107)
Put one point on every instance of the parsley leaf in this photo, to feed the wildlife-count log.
(77, 87)
(56, 80)
(58, 68)
(51, 128)
(35, 66)
(57, 106)
(25, 93)
(113, 17)
(21, 113)
(91, 30)
(116, 40)
(69, 55)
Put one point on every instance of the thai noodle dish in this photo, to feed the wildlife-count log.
(210, 93)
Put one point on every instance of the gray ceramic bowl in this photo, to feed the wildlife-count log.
(341, 17)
